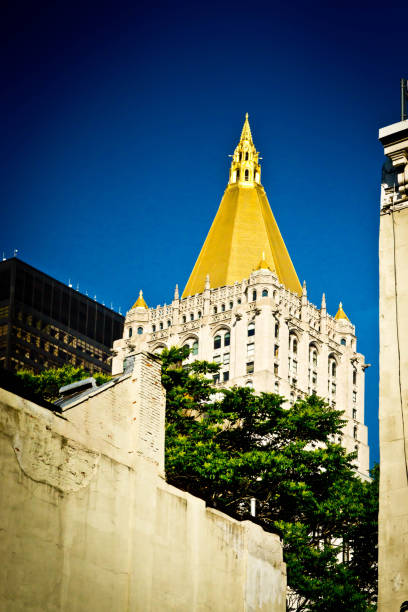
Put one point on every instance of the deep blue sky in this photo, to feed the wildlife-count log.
(117, 122)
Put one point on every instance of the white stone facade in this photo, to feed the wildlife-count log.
(264, 336)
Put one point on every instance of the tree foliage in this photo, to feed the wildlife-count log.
(48, 382)
(230, 446)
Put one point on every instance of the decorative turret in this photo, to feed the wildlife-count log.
(263, 264)
(245, 169)
(340, 314)
(140, 303)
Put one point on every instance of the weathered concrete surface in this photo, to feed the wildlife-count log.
(87, 522)
(393, 516)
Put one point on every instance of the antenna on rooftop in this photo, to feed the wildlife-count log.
(77, 287)
(4, 256)
(404, 99)
(69, 283)
(15, 252)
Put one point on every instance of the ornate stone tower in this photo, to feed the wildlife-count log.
(393, 516)
(244, 308)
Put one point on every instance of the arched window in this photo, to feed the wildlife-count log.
(199, 314)
(251, 329)
(247, 175)
(238, 300)
(249, 384)
(333, 369)
(195, 347)
(168, 323)
(343, 341)
(355, 432)
(130, 332)
(217, 342)
(222, 307)
(238, 174)
(264, 293)
(254, 296)
(191, 316)
(184, 319)
(246, 156)
(153, 328)
(312, 355)
(227, 339)
(140, 330)
(215, 310)
(276, 387)
(240, 156)
(231, 304)
(354, 377)
(161, 325)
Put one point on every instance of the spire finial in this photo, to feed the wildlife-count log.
(246, 131)
(176, 293)
(323, 301)
(340, 313)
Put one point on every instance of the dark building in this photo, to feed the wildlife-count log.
(44, 323)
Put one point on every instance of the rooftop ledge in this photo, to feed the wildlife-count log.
(399, 129)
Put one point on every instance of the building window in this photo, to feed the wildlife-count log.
(216, 378)
(333, 369)
(222, 307)
(250, 349)
(161, 324)
(168, 323)
(354, 377)
(184, 319)
(294, 345)
(215, 310)
(238, 172)
(191, 316)
(251, 329)
(294, 366)
(226, 358)
(292, 398)
(313, 355)
(356, 450)
(355, 432)
(276, 350)
(264, 293)
(355, 414)
(217, 359)
(354, 396)
(195, 347)
(275, 369)
(334, 388)
(217, 342)
(343, 341)
(276, 387)
(231, 304)
(250, 367)
(246, 157)
(130, 332)
(227, 339)
(254, 296)
(249, 384)
(225, 376)
(276, 330)
(199, 314)
(238, 300)
(140, 330)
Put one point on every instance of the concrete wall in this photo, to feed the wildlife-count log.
(87, 522)
(393, 517)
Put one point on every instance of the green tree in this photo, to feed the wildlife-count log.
(48, 382)
(230, 446)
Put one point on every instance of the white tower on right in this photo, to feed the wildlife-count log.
(393, 515)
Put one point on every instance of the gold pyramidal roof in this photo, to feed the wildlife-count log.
(340, 314)
(140, 302)
(243, 229)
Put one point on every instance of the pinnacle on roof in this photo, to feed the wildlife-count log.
(140, 303)
(263, 264)
(340, 314)
(246, 130)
